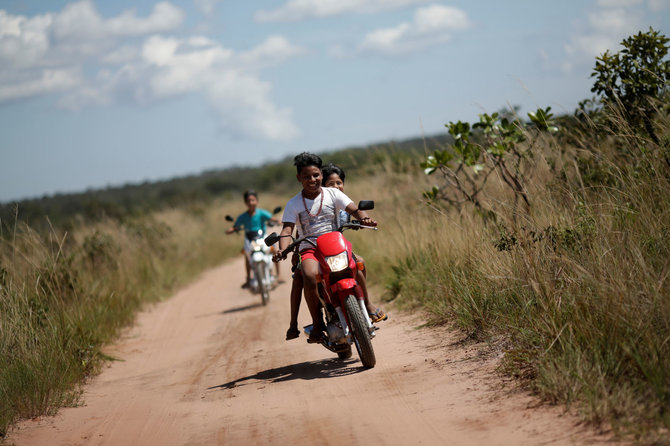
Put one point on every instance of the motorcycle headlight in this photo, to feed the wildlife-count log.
(338, 262)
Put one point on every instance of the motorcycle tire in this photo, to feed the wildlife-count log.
(259, 271)
(360, 333)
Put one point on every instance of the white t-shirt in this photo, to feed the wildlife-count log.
(318, 223)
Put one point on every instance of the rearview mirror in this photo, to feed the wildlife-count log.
(229, 218)
(271, 239)
(276, 210)
(366, 205)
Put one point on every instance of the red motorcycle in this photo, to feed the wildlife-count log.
(341, 298)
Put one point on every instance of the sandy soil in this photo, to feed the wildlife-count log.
(211, 366)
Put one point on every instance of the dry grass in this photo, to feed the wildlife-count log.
(63, 296)
(578, 289)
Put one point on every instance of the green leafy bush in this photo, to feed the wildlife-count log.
(492, 145)
(634, 77)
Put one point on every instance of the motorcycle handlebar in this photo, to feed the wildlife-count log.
(356, 225)
(293, 245)
(274, 237)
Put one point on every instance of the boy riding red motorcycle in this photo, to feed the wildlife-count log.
(314, 211)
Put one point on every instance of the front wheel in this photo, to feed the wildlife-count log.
(259, 271)
(359, 330)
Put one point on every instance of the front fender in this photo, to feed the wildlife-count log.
(257, 256)
(345, 287)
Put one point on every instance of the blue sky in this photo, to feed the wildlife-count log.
(96, 94)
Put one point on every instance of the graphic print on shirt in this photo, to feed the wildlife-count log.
(309, 220)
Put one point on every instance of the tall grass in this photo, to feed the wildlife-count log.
(64, 295)
(576, 293)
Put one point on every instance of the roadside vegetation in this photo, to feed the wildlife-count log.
(63, 295)
(546, 236)
(550, 238)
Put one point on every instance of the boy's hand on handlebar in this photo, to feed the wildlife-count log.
(278, 257)
(367, 221)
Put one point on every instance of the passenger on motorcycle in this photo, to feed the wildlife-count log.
(333, 176)
(314, 211)
(253, 219)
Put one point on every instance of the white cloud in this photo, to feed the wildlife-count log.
(610, 21)
(23, 41)
(81, 20)
(244, 109)
(618, 3)
(227, 80)
(431, 25)
(74, 35)
(127, 84)
(605, 27)
(45, 54)
(163, 17)
(48, 81)
(273, 51)
(121, 55)
(294, 10)
(206, 6)
(604, 30)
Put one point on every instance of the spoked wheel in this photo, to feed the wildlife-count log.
(359, 330)
(259, 271)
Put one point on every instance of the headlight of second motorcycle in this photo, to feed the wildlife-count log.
(338, 262)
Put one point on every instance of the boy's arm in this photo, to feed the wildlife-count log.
(236, 225)
(269, 218)
(284, 240)
(360, 215)
(352, 209)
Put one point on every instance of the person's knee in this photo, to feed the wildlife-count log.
(309, 281)
(310, 271)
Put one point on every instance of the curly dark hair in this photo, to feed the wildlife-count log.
(307, 159)
(330, 169)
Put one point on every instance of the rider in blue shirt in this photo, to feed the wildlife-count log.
(253, 219)
(252, 222)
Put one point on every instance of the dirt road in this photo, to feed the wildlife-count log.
(210, 366)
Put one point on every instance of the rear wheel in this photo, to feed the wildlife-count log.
(259, 271)
(359, 330)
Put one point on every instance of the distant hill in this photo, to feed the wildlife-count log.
(60, 210)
